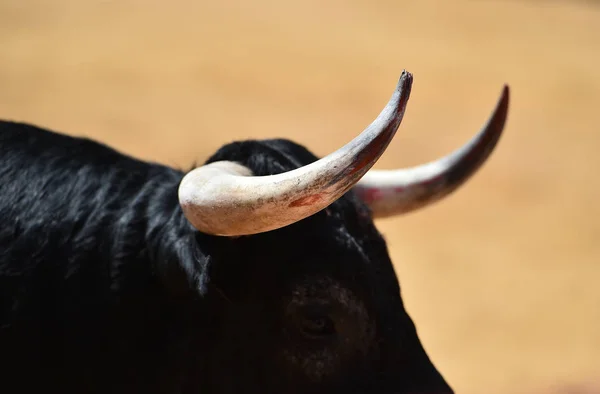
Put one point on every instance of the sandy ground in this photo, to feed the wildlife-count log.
(501, 278)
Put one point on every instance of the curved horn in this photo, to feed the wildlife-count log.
(394, 192)
(223, 198)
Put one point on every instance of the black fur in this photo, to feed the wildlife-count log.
(106, 288)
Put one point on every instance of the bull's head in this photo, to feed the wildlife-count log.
(307, 297)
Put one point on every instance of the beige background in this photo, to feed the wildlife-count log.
(501, 278)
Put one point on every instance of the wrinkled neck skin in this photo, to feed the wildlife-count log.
(250, 280)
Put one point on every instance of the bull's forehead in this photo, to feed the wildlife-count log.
(327, 252)
(324, 245)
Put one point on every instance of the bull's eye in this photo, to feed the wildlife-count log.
(316, 324)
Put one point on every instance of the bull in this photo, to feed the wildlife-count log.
(260, 271)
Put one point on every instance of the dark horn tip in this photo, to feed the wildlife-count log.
(504, 102)
(404, 88)
(496, 123)
(506, 91)
(406, 79)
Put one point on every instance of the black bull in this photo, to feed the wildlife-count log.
(106, 287)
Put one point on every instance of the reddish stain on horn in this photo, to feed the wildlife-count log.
(305, 201)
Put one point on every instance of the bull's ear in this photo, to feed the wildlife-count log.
(183, 268)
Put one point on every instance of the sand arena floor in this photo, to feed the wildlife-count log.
(501, 278)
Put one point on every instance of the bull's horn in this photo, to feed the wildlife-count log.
(223, 198)
(394, 192)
